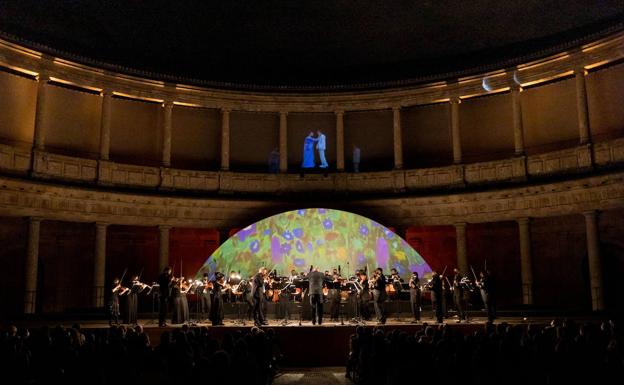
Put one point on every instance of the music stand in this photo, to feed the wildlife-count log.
(302, 284)
(155, 292)
(355, 291)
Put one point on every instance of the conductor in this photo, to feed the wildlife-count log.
(316, 279)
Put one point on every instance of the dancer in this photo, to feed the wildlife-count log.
(320, 147)
(308, 151)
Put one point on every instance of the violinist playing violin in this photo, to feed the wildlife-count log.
(133, 299)
(204, 296)
(414, 288)
(164, 281)
(117, 291)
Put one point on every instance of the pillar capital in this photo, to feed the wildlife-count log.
(164, 227)
(396, 108)
(225, 110)
(283, 113)
(460, 224)
(167, 104)
(523, 220)
(339, 112)
(42, 77)
(455, 100)
(106, 92)
(102, 224)
(590, 213)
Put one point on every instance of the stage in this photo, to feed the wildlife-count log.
(331, 339)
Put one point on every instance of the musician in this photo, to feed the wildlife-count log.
(487, 286)
(334, 296)
(414, 287)
(378, 285)
(363, 295)
(437, 294)
(219, 287)
(164, 281)
(396, 281)
(205, 296)
(316, 279)
(293, 275)
(257, 289)
(232, 280)
(178, 295)
(458, 295)
(133, 299)
(116, 292)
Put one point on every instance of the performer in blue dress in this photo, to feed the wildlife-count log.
(308, 151)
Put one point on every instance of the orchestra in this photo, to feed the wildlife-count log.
(213, 290)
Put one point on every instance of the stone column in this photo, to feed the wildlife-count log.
(31, 266)
(166, 149)
(455, 134)
(283, 141)
(518, 128)
(595, 263)
(462, 254)
(105, 121)
(99, 266)
(581, 106)
(526, 270)
(340, 164)
(40, 111)
(225, 139)
(398, 140)
(163, 250)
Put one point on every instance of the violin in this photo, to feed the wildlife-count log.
(121, 290)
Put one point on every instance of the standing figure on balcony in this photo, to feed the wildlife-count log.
(321, 146)
(308, 151)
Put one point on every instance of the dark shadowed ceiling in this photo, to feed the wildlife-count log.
(297, 44)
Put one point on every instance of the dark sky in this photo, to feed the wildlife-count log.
(297, 42)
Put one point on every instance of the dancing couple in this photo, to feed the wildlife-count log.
(308, 150)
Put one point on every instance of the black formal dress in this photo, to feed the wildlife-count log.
(205, 301)
(379, 298)
(363, 299)
(114, 308)
(164, 292)
(437, 296)
(458, 296)
(133, 303)
(487, 286)
(180, 312)
(217, 313)
(414, 286)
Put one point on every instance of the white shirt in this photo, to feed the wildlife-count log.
(320, 145)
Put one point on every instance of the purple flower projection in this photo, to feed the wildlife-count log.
(246, 232)
(299, 247)
(382, 252)
(312, 236)
(276, 250)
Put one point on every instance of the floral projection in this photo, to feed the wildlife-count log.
(321, 237)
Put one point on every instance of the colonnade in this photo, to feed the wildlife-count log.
(453, 119)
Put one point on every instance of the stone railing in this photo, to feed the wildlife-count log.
(576, 160)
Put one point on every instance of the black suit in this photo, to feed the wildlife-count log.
(437, 296)
(164, 282)
(316, 280)
(458, 296)
(379, 298)
(257, 293)
(415, 297)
